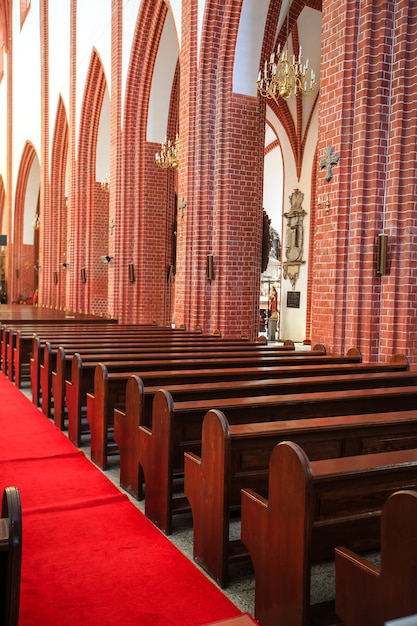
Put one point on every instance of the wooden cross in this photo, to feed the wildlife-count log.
(331, 158)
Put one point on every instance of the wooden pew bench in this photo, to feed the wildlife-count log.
(83, 370)
(10, 556)
(56, 366)
(16, 343)
(234, 457)
(27, 355)
(370, 594)
(312, 508)
(110, 391)
(88, 340)
(176, 428)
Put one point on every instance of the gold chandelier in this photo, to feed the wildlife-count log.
(168, 157)
(285, 75)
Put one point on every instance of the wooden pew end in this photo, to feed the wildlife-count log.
(10, 556)
(369, 594)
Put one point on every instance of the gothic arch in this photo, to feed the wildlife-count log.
(147, 192)
(24, 266)
(58, 208)
(91, 205)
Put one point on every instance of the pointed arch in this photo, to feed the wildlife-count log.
(24, 274)
(90, 207)
(57, 245)
(148, 192)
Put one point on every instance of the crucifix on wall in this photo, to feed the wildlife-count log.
(331, 158)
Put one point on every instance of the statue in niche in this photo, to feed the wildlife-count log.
(294, 239)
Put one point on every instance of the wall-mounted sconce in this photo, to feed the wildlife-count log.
(83, 275)
(36, 224)
(65, 265)
(106, 258)
(210, 267)
(131, 272)
(325, 204)
(381, 254)
(36, 267)
(55, 278)
(105, 183)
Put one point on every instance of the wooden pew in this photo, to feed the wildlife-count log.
(176, 428)
(83, 370)
(312, 508)
(21, 348)
(56, 365)
(10, 556)
(109, 392)
(87, 338)
(19, 353)
(237, 456)
(370, 594)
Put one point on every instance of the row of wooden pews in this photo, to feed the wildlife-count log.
(149, 439)
(196, 422)
(76, 364)
(237, 456)
(313, 508)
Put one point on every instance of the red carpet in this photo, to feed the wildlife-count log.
(89, 556)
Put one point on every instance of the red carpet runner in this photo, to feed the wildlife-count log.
(89, 556)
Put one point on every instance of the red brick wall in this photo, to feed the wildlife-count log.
(365, 113)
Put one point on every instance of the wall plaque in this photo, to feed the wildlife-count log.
(293, 300)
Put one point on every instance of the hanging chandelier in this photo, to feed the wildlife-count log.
(285, 75)
(168, 157)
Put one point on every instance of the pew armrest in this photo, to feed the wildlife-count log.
(349, 560)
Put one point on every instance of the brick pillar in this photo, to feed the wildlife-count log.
(356, 74)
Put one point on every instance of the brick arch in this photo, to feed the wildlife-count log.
(5, 32)
(90, 206)
(56, 248)
(293, 128)
(147, 191)
(22, 277)
(227, 209)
